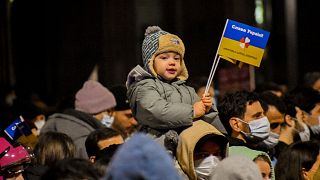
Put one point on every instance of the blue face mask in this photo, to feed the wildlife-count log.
(259, 129)
(272, 140)
(107, 120)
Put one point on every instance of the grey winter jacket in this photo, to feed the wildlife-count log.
(76, 124)
(164, 105)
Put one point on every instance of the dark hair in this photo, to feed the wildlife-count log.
(310, 78)
(69, 169)
(304, 98)
(297, 156)
(271, 99)
(235, 105)
(218, 139)
(97, 135)
(104, 157)
(53, 146)
(263, 157)
(268, 87)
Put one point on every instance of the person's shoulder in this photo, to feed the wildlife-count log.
(245, 151)
(150, 82)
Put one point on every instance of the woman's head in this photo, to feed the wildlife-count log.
(299, 161)
(264, 164)
(54, 146)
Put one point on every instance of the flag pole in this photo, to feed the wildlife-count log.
(215, 63)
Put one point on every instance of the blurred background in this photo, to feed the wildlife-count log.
(50, 47)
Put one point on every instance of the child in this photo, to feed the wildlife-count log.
(158, 96)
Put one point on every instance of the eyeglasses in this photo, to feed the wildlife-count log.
(274, 125)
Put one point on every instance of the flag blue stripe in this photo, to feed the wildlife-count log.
(236, 31)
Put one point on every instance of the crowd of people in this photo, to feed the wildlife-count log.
(156, 126)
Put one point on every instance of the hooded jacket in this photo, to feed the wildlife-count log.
(163, 105)
(236, 168)
(249, 153)
(187, 143)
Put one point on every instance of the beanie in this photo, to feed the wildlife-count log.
(157, 41)
(120, 93)
(94, 98)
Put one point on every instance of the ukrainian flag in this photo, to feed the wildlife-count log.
(244, 43)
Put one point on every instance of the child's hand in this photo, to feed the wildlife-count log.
(199, 109)
(207, 101)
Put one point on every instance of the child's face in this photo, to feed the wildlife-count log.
(168, 65)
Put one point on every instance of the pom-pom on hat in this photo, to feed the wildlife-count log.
(94, 98)
(157, 41)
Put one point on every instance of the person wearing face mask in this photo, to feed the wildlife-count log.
(275, 110)
(243, 117)
(94, 105)
(307, 105)
(292, 129)
(200, 149)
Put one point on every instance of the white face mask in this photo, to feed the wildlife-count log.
(316, 128)
(305, 134)
(259, 129)
(204, 167)
(39, 124)
(107, 120)
(272, 140)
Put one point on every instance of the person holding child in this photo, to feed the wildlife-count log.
(160, 100)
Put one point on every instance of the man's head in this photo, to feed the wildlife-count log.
(123, 119)
(241, 114)
(95, 99)
(100, 139)
(304, 104)
(163, 54)
(276, 110)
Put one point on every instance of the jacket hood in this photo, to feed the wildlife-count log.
(137, 74)
(187, 143)
(236, 167)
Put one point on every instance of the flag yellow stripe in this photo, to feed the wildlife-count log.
(231, 49)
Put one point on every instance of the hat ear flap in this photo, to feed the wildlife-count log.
(150, 66)
(184, 72)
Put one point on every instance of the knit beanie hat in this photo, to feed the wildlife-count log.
(94, 98)
(157, 41)
(120, 93)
